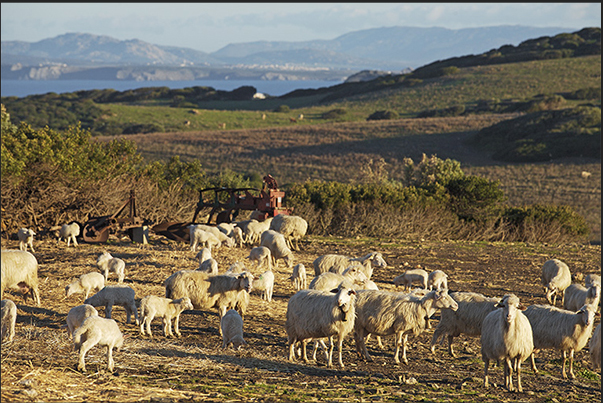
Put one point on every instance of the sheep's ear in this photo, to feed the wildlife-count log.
(335, 290)
(521, 307)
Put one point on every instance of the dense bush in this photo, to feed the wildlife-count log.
(383, 115)
(334, 113)
(282, 109)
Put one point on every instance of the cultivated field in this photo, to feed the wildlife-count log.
(40, 364)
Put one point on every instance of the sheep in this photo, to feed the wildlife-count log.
(107, 263)
(327, 281)
(203, 255)
(507, 336)
(338, 263)
(467, 319)
(555, 278)
(115, 295)
(278, 247)
(576, 296)
(236, 268)
(206, 291)
(77, 315)
(233, 231)
(231, 325)
(411, 276)
(316, 314)
(591, 279)
(254, 230)
(69, 232)
(9, 319)
(165, 308)
(96, 330)
(594, 348)
(199, 236)
(25, 236)
(292, 227)
(85, 283)
(298, 277)
(437, 279)
(216, 232)
(265, 284)
(384, 312)
(19, 271)
(261, 255)
(209, 266)
(556, 328)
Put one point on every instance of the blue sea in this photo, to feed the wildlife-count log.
(23, 88)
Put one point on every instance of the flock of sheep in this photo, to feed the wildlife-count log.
(339, 301)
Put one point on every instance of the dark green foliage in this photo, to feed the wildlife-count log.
(383, 115)
(282, 109)
(593, 93)
(143, 128)
(440, 113)
(546, 218)
(334, 113)
(474, 197)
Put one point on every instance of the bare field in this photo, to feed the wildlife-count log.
(40, 364)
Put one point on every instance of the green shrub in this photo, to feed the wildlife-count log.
(282, 109)
(143, 128)
(545, 223)
(334, 113)
(383, 115)
(474, 197)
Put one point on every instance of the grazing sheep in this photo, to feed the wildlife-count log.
(77, 315)
(203, 255)
(559, 329)
(555, 278)
(115, 295)
(437, 279)
(96, 330)
(231, 325)
(384, 313)
(209, 266)
(261, 255)
(411, 276)
(507, 336)
(199, 236)
(9, 319)
(577, 295)
(328, 281)
(594, 348)
(69, 232)
(315, 314)
(278, 247)
(237, 235)
(592, 279)
(108, 263)
(86, 283)
(165, 308)
(338, 263)
(20, 271)
(25, 236)
(292, 227)
(265, 284)
(254, 229)
(207, 291)
(467, 319)
(298, 278)
(220, 235)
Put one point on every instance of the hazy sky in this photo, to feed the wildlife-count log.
(211, 26)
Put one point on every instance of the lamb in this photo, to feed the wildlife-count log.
(77, 315)
(107, 263)
(215, 231)
(437, 279)
(9, 320)
(86, 283)
(507, 336)
(261, 255)
(115, 295)
(96, 330)
(292, 227)
(594, 348)
(560, 329)
(278, 247)
(254, 230)
(555, 278)
(25, 236)
(338, 263)
(165, 308)
(577, 296)
(19, 271)
(467, 319)
(69, 232)
(328, 281)
(316, 314)
(298, 277)
(384, 312)
(199, 236)
(203, 255)
(265, 284)
(231, 325)
(233, 231)
(411, 276)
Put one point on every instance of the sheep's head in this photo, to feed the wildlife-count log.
(345, 299)
(588, 313)
(510, 305)
(246, 281)
(443, 300)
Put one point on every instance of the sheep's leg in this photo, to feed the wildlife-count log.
(518, 370)
(177, 326)
(486, 365)
(571, 364)
(508, 371)
(340, 342)
(304, 344)
(85, 346)
(331, 345)
(533, 363)
(291, 350)
(110, 363)
(108, 310)
(167, 327)
(404, 348)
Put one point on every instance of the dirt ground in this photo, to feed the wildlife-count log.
(40, 364)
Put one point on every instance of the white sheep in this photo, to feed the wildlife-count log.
(108, 263)
(77, 315)
(265, 284)
(328, 281)
(199, 236)
(152, 306)
(555, 278)
(220, 235)
(411, 276)
(236, 268)
(254, 229)
(19, 271)
(384, 313)
(338, 263)
(237, 235)
(231, 325)
(85, 283)
(438, 280)
(467, 319)
(315, 314)
(261, 255)
(26, 236)
(567, 331)
(576, 296)
(292, 227)
(96, 330)
(507, 336)
(209, 266)
(69, 232)
(298, 277)
(278, 247)
(594, 348)
(115, 295)
(9, 319)
(591, 279)
(203, 255)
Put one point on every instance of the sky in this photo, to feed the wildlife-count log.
(209, 27)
